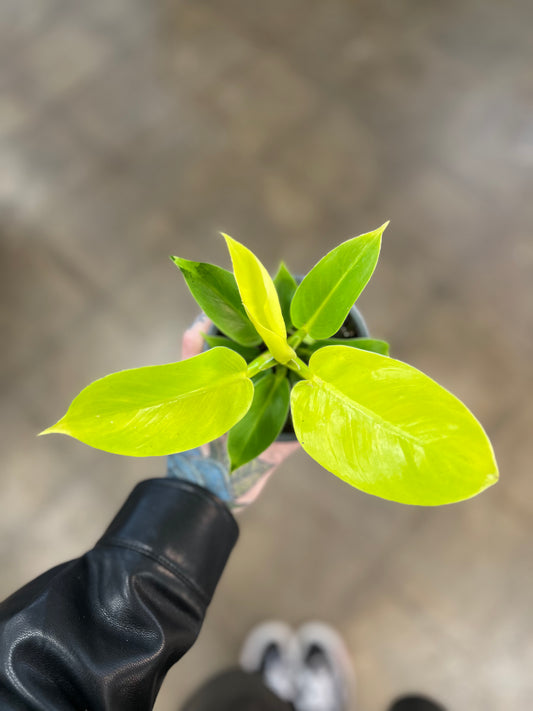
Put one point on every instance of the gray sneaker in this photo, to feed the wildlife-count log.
(268, 650)
(324, 677)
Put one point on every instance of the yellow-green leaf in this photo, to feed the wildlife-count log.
(162, 409)
(260, 299)
(389, 430)
(366, 344)
(326, 295)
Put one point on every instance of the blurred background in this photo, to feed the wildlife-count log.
(132, 130)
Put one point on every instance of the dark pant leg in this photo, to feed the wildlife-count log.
(416, 703)
(235, 690)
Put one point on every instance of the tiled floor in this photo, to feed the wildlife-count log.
(130, 131)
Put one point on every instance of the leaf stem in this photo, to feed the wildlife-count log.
(300, 367)
(280, 372)
(296, 338)
(263, 362)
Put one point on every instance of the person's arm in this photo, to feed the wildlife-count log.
(101, 631)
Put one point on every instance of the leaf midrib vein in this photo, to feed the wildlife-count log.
(366, 412)
(170, 401)
(324, 303)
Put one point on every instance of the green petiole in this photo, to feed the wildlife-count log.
(298, 366)
(297, 338)
(263, 362)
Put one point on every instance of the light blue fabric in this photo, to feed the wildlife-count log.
(195, 467)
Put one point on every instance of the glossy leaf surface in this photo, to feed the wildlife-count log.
(161, 409)
(247, 352)
(260, 299)
(285, 286)
(326, 295)
(216, 292)
(366, 344)
(264, 420)
(389, 430)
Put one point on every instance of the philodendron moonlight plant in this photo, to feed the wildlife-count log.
(377, 423)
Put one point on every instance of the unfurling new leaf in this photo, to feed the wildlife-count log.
(260, 299)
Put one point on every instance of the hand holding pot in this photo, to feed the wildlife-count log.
(209, 465)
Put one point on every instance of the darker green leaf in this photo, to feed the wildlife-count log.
(264, 420)
(217, 294)
(247, 352)
(285, 286)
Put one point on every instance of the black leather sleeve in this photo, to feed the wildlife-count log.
(100, 632)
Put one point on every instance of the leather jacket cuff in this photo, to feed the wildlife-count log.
(184, 527)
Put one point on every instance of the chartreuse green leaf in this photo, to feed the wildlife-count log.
(260, 299)
(264, 420)
(285, 286)
(326, 295)
(161, 409)
(366, 344)
(247, 352)
(217, 294)
(389, 430)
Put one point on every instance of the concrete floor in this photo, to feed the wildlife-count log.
(132, 130)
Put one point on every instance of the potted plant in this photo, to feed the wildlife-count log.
(377, 423)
